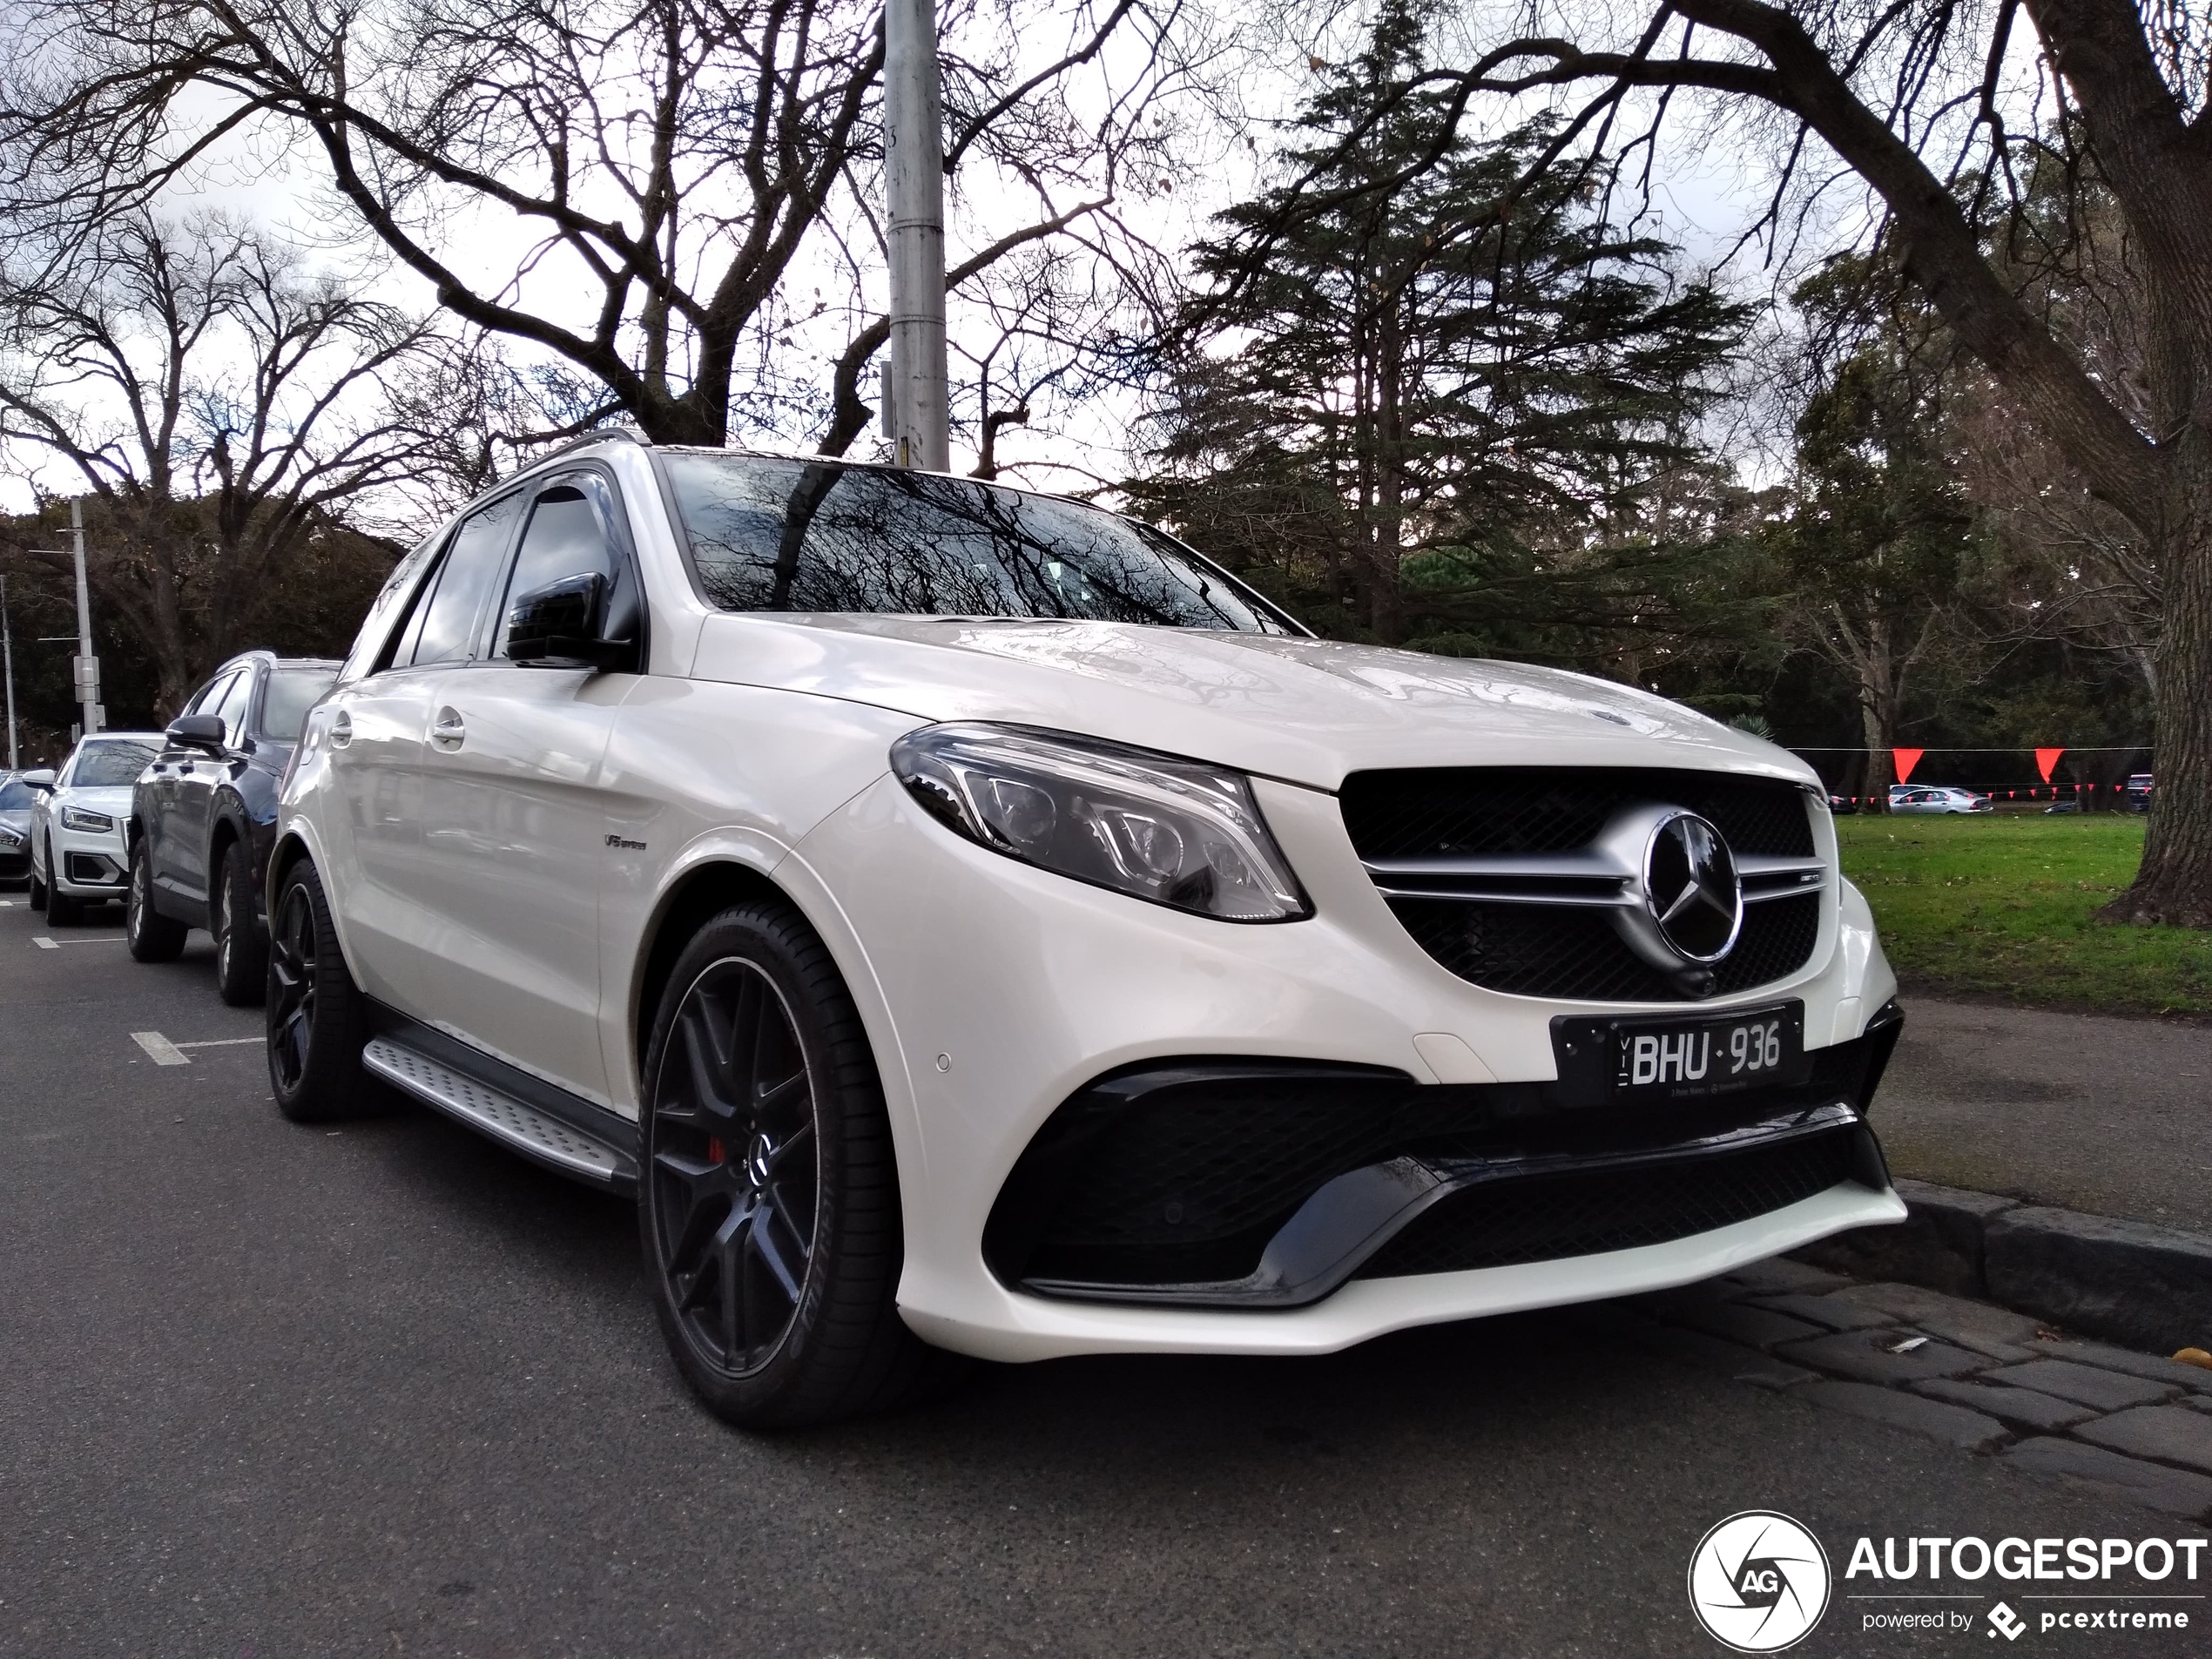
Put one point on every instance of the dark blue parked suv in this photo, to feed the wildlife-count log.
(204, 813)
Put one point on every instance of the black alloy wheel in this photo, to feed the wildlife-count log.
(317, 1017)
(241, 953)
(768, 1203)
(733, 1159)
(151, 936)
(62, 910)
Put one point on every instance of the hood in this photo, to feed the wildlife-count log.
(1307, 710)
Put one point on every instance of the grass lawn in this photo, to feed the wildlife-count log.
(2004, 905)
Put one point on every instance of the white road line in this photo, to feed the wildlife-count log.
(45, 943)
(221, 1042)
(158, 1048)
(42, 942)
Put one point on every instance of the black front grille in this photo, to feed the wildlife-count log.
(1549, 1218)
(1468, 812)
(1561, 951)
(1181, 1172)
(1566, 950)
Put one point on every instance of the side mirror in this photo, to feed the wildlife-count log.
(42, 780)
(561, 625)
(201, 732)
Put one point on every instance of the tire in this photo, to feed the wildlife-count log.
(768, 1196)
(62, 911)
(241, 946)
(317, 1019)
(151, 936)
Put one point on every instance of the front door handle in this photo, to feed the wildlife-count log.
(342, 730)
(448, 731)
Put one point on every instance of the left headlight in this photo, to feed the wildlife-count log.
(1160, 828)
(76, 818)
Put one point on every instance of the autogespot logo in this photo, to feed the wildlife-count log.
(1759, 1581)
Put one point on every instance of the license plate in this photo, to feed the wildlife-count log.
(1681, 1059)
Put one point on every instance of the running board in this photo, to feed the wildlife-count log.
(534, 1133)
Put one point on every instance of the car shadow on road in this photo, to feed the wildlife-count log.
(1516, 1372)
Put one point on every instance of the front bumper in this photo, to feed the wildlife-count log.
(90, 865)
(994, 992)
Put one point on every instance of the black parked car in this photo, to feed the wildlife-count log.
(15, 827)
(204, 813)
(2139, 786)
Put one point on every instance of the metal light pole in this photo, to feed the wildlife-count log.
(87, 667)
(914, 416)
(8, 653)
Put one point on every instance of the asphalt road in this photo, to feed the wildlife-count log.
(270, 1390)
(2087, 1111)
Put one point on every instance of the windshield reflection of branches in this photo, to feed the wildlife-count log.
(793, 536)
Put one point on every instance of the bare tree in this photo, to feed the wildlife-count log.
(220, 405)
(636, 188)
(1916, 99)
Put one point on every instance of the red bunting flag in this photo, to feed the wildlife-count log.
(2047, 759)
(1906, 759)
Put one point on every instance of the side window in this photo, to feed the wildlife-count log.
(231, 710)
(448, 613)
(571, 532)
(211, 695)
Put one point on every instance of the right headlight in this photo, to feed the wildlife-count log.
(1174, 832)
(76, 818)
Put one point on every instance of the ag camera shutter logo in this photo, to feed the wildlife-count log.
(1759, 1581)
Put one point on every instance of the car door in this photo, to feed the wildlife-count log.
(191, 783)
(514, 817)
(377, 729)
(158, 793)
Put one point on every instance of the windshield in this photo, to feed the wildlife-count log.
(291, 693)
(16, 796)
(770, 534)
(109, 765)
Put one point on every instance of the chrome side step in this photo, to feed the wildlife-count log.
(535, 1133)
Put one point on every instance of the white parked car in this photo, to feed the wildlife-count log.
(970, 921)
(1930, 798)
(80, 849)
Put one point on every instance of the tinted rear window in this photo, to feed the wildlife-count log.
(16, 797)
(291, 693)
(773, 534)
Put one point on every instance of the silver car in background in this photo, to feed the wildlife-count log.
(1936, 798)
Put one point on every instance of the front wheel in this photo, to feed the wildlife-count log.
(241, 952)
(768, 1202)
(151, 936)
(37, 887)
(62, 911)
(318, 1018)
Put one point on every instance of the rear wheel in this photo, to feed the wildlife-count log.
(317, 1019)
(768, 1203)
(241, 950)
(151, 936)
(62, 911)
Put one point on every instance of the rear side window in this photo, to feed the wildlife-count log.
(445, 622)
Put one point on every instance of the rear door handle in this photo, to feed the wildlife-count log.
(342, 730)
(448, 731)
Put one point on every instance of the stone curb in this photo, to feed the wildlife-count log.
(2147, 1287)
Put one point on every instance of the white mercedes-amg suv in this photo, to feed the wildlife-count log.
(969, 920)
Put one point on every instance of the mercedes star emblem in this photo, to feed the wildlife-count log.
(1691, 889)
